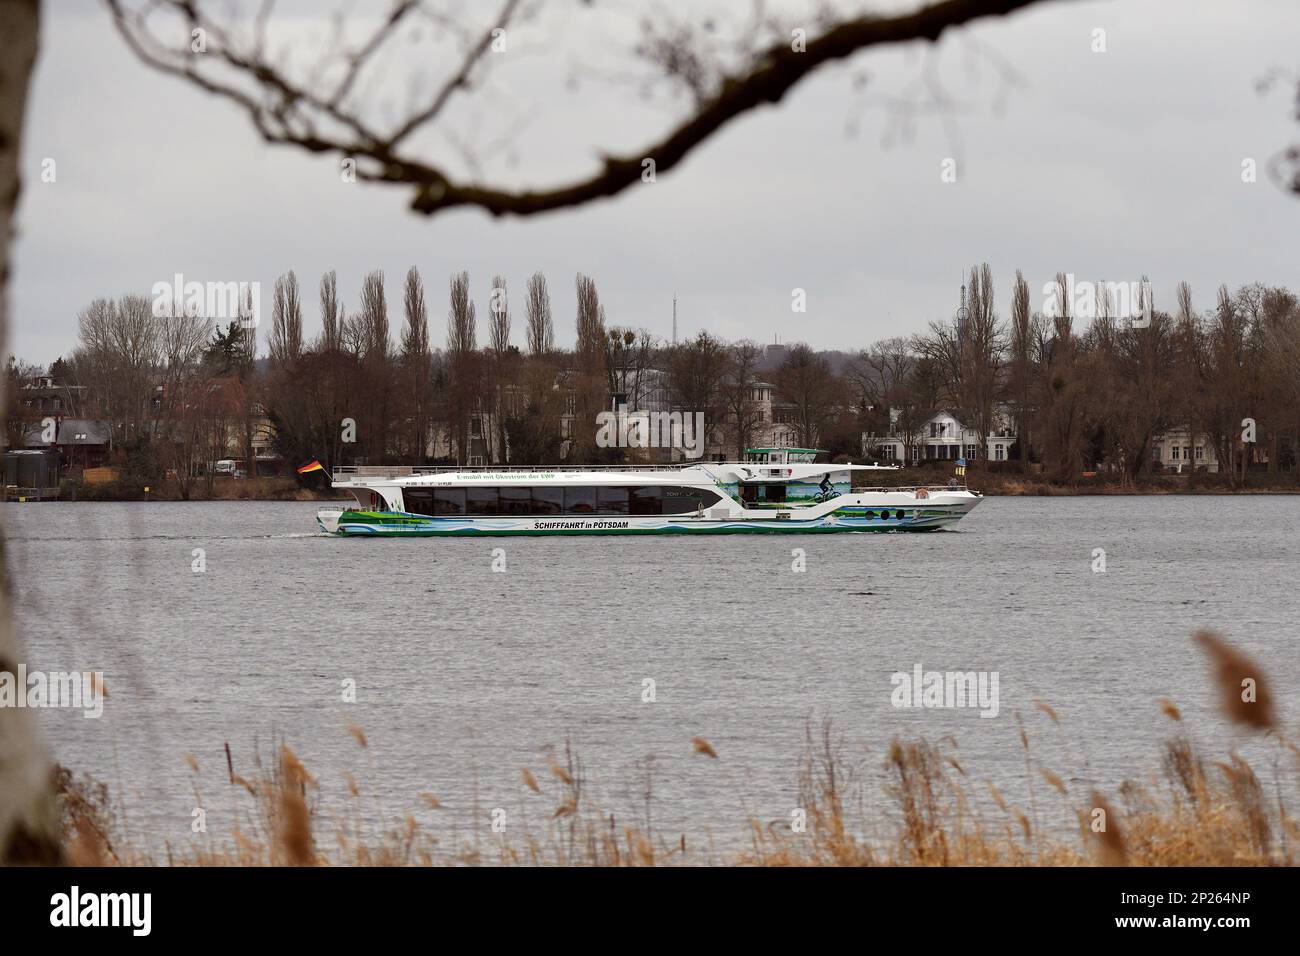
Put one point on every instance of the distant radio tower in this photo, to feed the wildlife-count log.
(674, 318)
(963, 314)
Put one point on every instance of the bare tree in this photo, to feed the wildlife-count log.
(118, 353)
(742, 405)
(697, 369)
(591, 320)
(1186, 346)
(179, 412)
(499, 324)
(1024, 334)
(535, 429)
(591, 380)
(1127, 369)
(881, 378)
(461, 348)
(373, 416)
(805, 381)
(286, 321)
(415, 333)
(248, 322)
(1233, 342)
(984, 352)
(1061, 394)
(970, 350)
(247, 371)
(374, 315)
(331, 313)
(416, 364)
(499, 330)
(629, 355)
(541, 330)
(461, 337)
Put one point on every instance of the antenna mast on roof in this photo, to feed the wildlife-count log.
(674, 318)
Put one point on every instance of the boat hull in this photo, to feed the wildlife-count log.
(914, 518)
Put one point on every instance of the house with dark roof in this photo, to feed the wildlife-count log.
(82, 442)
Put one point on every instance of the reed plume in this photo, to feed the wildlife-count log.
(702, 746)
(1244, 696)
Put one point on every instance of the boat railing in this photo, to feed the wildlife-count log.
(912, 488)
(408, 471)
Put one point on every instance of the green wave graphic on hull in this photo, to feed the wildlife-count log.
(399, 524)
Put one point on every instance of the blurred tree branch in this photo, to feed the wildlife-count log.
(29, 814)
(285, 112)
(1284, 166)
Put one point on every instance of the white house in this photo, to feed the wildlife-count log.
(945, 435)
(1174, 450)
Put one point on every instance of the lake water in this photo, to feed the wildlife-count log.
(464, 675)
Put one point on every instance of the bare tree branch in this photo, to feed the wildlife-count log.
(290, 114)
(377, 39)
(460, 80)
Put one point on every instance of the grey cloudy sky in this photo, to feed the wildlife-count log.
(1107, 165)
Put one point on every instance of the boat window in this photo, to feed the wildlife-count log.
(579, 500)
(612, 501)
(774, 492)
(647, 500)
(516, 501)
(418, 501)
(680, 501)
(481, 501)
(548, 500)
(449, 501)
(553, 500)
(899, 514)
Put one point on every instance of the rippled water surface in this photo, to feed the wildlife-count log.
(464, 675)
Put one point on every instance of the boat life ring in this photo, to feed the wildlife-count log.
(922, 493)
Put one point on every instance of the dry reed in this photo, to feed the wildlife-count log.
(1196, 811)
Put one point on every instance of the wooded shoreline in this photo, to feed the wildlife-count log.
(991, 484)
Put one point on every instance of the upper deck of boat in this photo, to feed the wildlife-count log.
(677, 473)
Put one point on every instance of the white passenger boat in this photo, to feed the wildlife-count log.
(779, 493)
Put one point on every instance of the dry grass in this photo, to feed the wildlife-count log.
(1196, 810)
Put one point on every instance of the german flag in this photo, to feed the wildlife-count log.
(313, 465)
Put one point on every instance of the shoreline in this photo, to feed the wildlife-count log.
(264, 490)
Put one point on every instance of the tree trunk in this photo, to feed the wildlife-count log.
(29, 821)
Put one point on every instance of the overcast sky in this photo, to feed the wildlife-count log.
(1107, 165)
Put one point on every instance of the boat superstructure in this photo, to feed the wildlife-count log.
(773, 495)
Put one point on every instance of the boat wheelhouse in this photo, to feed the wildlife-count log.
(772, 456)
(769, 494)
